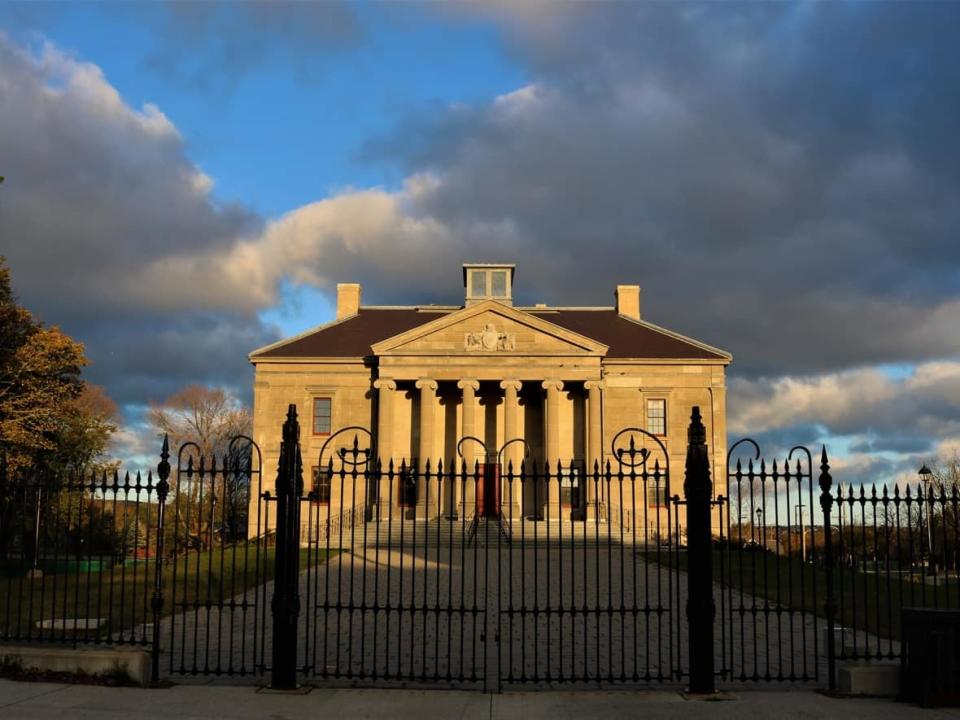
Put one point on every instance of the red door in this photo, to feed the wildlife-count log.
(488, 491)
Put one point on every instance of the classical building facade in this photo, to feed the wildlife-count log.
(457, 383)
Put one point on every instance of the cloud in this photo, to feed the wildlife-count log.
(98, 195)
(888, 424)
(210, 47)
(781, 179)
(778, 192)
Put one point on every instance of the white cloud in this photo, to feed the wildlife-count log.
(865, 403)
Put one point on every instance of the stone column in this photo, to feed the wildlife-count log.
(384, 444)
(551, 421)
(428, 413)
(470, 448)
(514, 453)
(594, 441)
(551, 446)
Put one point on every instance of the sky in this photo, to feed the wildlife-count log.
(188, 182)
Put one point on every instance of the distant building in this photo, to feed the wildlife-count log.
(421, 378)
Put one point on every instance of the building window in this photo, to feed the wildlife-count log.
(656, 493)
(478, 284)
(485, 283)
(321, 486)
(657, 416)
(321, 416)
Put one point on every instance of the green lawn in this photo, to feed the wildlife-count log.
(123, 592)
(866, 601)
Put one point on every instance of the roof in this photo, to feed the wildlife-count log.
(353, 336)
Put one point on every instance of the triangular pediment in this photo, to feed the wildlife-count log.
(489, 328)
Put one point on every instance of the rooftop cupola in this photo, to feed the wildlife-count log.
(488, 281)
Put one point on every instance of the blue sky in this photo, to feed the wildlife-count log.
(780, 178)
(325, 104)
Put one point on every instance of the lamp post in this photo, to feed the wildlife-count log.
(926, 475)
(759, 516)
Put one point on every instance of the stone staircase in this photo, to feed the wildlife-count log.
(490, 533)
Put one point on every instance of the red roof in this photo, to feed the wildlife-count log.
(625, 338)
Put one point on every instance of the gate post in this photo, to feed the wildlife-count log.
(156, 602)
(700, 605)
(826, 501)
(286, 592)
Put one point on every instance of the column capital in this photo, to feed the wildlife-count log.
(511, 383)
(426, 384)
(468, 383)
(385, 384)
(552, 384)
(595, 385)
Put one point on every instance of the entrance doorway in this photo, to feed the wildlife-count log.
(488, 491)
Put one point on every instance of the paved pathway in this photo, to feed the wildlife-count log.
(45, 701)
(585, 615)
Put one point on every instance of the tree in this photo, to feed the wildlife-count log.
(80, 443)
(209, 417)
(40, 383)
(52, 424)
(212, 506)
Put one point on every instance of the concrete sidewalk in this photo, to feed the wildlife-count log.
(188, 702)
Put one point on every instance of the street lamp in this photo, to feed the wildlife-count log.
(926, 475)
(759, 515)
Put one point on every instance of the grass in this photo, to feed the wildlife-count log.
(864, 600)
(123, 592)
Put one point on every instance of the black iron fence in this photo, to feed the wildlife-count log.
(121, 559)
(490, 575)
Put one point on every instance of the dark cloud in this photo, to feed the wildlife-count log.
(908, 444)
(778, 443)
(148, 358)
(211, 46)
(781, 179)
(96, 196)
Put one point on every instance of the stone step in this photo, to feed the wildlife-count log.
(488, 534)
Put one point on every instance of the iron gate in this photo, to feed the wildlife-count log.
(772, 602)
(573, 579)
(486, 577)
(590, 595)
(402, 596)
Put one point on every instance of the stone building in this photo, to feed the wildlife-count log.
(566, 380)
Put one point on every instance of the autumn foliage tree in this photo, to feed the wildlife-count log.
(49, 417)
(53, 425)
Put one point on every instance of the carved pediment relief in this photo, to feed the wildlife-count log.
(489, 340)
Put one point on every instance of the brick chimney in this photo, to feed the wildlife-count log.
(348, 299)
(628, 301)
